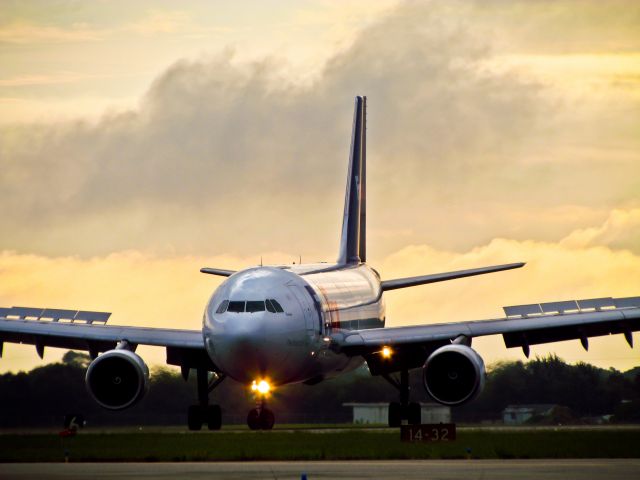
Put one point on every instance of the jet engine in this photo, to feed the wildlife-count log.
(117, 379)
(453, 374)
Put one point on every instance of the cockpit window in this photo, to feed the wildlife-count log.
(236, 307)
(222, 307)
(250, 306)
(276, 305)
(270, 307)
(255, 306)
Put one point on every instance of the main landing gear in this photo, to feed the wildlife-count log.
(197, 415)
(403, 410)
(261, 418)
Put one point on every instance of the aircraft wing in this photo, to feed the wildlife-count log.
(522, 326)
(85, 330)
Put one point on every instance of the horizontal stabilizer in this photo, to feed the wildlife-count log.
(442, 277)
(217, 271)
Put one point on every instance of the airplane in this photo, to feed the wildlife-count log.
(268, 326)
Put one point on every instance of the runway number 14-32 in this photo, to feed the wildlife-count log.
(436, 432)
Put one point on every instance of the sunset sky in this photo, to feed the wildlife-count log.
(140, 141)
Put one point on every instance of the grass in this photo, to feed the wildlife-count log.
(330, 445)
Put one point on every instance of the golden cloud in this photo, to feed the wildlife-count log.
(143, 289)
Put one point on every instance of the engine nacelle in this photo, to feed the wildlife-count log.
(117, 379)
(454, 374)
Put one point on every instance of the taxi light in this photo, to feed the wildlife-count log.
(386, 352)
(261, 387)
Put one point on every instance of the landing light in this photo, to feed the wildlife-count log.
(261, 387)
(386, 352)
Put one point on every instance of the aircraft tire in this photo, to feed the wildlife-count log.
(194, 417)
(253, 419)
(267, 419)
(214, 417)
(414, 413)
(395, 414)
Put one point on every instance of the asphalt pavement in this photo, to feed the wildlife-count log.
(596, 469)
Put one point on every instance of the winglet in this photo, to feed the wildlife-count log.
(353, 240)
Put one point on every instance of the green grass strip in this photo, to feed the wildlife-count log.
(301, 445)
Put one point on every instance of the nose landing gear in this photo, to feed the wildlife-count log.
(203, 412)
(260, 418)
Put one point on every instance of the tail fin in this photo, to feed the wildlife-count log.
(353, 244)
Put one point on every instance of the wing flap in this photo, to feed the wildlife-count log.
(85, 330)
(521, 331)
(70, 335)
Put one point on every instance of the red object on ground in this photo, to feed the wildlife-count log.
(68, 432)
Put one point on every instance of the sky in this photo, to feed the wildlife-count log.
(140, 141)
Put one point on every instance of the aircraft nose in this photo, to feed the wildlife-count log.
(247, 354)
(243, 346)
(249, 347)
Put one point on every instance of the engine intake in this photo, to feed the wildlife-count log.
(117, 379)
(454, 374)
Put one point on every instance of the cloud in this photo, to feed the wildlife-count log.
(50, 79)
(212, 135)
(621, 230)
(229, 157)
(23, 33)
(161, 22)
(567, 26)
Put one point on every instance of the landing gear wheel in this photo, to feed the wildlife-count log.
(197, 415)
(395, 414)
(194, 417)
(214, 417)
(253, 419)
(414, 413)
(267, 419)
(260, 419)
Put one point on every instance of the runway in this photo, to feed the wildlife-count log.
(595, 469)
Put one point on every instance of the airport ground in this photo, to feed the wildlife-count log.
(598, 469)
(298, 443)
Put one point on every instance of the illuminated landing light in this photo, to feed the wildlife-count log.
(386, 352)
(261, 387)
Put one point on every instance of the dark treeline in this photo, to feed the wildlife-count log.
(44, 395)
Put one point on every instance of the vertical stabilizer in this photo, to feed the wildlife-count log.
(354, 239)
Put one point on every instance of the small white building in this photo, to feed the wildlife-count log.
(378, 413)
(519, 414)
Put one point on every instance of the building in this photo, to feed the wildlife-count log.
(378, 413)
(519, 414)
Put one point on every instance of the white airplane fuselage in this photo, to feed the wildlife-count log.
(290, 346)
